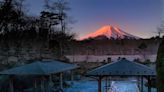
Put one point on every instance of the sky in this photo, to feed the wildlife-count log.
(138, 17)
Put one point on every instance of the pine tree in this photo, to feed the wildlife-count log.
(160, 68)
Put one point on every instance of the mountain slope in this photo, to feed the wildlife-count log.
(110, 32)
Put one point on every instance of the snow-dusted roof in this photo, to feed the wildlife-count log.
(122, 68)
(40, 68)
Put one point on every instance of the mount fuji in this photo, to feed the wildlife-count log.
(109, 32)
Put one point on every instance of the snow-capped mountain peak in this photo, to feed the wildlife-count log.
(110, 32)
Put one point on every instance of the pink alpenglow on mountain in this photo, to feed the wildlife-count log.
(110, 32)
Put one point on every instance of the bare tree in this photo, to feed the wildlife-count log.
(142, 50)
(58, 11)
(160, 29)
(60, 7)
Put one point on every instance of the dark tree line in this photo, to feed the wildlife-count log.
(160, 63)
(49, 30)
(160, 68)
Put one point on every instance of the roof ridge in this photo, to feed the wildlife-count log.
(142, 65)
(41, 68)
(104, 66)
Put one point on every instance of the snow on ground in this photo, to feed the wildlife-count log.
(91, 86)
(124, 86)
(83, 86)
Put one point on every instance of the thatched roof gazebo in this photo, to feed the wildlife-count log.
(40, 68)
(124, 68)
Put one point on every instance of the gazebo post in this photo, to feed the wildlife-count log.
(72, 77)
(106, 84)
(35, 86)
(138, 82)
(49, 85)
(11, 84)
(141, 83)
(99, 83)
(149, 84)
(61, 81)
(50, 78)
(42, 84)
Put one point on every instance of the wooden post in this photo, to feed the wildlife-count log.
(138, 83)
(61, 81)
(35, 86)
(50, 84)
(50, 78)
(42, 85)
(141, 83)
(72, 77)
(11, 85)
(99, 84)
(106, 84)
(149, 84)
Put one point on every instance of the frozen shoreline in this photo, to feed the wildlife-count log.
(101, 58)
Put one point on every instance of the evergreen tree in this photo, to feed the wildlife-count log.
(160, 68)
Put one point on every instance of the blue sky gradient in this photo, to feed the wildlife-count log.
(138, 17)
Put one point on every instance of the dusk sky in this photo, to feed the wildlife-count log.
(138, 17)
